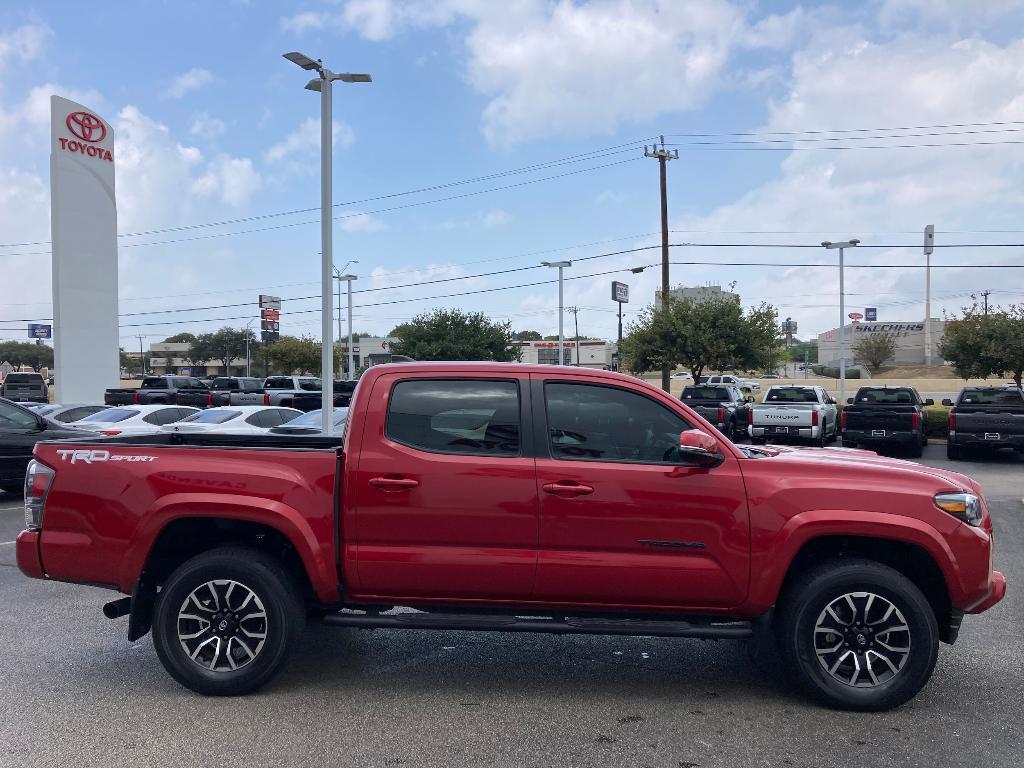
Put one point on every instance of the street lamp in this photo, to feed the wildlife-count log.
(322, 83)
(851, 243)
(248, 335)
(561, 337)
(347, 279)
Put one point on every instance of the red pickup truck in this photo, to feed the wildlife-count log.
(484, 496)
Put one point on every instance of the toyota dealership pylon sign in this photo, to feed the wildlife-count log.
(83, 226)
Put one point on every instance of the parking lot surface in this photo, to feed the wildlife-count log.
(75, 691)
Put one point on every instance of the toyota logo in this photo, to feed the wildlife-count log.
(86, 126)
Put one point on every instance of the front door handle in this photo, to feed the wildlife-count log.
(394, 483)
(567, 488)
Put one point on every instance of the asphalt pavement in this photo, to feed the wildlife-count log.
(74, 691)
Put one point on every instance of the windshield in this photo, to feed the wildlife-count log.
(791, 396)
(212, 417)
(990, 396)
(312, 419)
(705, 393)
(111, 415)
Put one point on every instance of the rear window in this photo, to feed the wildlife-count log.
(791, 396)
(990, 396)
(279, 382)
(705, 393)
(24, 378)
(310, 385)
(212, 417)
(894, 396)
(225, 384)
(112, 415)
(154, 382)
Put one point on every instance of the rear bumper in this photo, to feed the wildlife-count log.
(27, 552)
(891, 436)
(978, 438)
(800, 433)
(997, 593)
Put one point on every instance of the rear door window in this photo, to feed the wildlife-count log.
(476, 416)
(280, 382)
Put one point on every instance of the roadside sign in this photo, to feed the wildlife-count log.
(620, 292)
(270, 302)
(270, 314)
(185, 371)
(871, 314)
(270, 325)
(268, 337)
(855, 316)
(39, 331)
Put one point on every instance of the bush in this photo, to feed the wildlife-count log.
(833, 373)
(936, 421)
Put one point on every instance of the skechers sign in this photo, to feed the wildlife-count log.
(88, 131)
(895, 329)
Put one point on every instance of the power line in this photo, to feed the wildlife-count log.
(855, 130)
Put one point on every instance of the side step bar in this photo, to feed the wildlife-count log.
(700, 628)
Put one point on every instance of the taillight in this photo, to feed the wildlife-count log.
(38, 478)
(842, 419)
(209, 399)
(721, 415)
(952, 422)
(750, 415)
(814, 418)
(266, 399)
(110, 432)
(135, 398)
(915, 421)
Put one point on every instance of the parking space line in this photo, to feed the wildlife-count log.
(5, 543)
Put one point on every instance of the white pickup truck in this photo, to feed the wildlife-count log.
(794, 411)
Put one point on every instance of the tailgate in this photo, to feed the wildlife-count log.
(889, 419)
(776, 416)
(119, 396)
(983, 422)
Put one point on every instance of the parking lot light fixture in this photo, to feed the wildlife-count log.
(561, 336)
(851, 243)
(322, 83)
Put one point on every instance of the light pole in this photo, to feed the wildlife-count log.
(339, 277)
(323, 83)
(248, 333)
(929, 245)
(851, 243)
(348, 279)
(561, 336)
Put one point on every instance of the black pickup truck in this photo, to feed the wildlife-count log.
(879, 416)
(985, 418)
(721, 404)
(156, 390)
(311, 401)
(224, 390)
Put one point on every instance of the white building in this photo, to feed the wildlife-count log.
(589, 353)
(909, 342)
(699, 293)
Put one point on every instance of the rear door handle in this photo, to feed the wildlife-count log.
(567, 488)
(394, 483)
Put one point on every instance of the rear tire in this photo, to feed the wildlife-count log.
(225, 621)
(916, 450)
(822, 436)
(954, 452)
(852, 667)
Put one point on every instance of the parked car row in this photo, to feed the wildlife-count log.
(302, 392)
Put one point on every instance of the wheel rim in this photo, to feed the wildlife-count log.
(222, 625)
(862, 640)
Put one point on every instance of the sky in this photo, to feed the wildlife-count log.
(496, 135)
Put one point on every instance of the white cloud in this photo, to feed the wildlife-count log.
(496, 218)
(206, 127)
(377, 19)
(190, 81)
(24, 43)
(302, 146)
(354, 221)
(300, 22)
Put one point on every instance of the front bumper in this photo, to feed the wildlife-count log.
(997, 593)
(27, 553)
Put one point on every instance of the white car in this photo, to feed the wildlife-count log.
(235, 420)
(683, 375)
(735, 381)
(134, 419)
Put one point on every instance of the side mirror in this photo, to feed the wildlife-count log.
(929, 401)
(699, 449)
(947, 401)
(849, 401)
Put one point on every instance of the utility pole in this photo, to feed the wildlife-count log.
(929, 246)
(142, 356)
(984, 295)
(851, 243)
(576, 319)
(663, 156)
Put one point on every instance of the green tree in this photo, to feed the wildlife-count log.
(19, 353)
(874, 349)
(451, 334)
(972, 343)
(291, 355)
(699, 335)
(227, 344)
(527, 336)
(181, 338)
(798, 350)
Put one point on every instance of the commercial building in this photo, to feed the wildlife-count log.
(589, 353)
(909, 341)
(699, 293)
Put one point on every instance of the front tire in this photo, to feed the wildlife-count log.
(859, 635)
(225, 621)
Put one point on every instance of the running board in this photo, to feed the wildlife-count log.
(700, 628)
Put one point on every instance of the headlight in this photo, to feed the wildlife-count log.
(965, 506)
